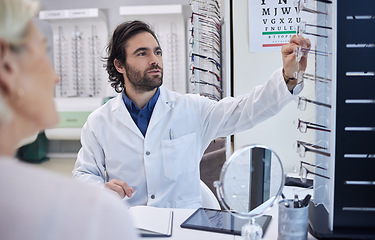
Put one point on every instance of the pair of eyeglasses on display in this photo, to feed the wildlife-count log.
(77, 57)
(94, 52)
(303, 171)
(77, 62)
(96, 64)
(205, 30)
(207, 38)
(94, 37)
(203, 23)
(211, 5)
(77, 37)
(206, 47)
(210, 10)
(61, 42)
(64, 81)
(302, 5)
(206, 26)
(210, 96)
(209, 59)
(218, 89)
(215, 18)
(302, 126)
(207, 71)
(303, 147)
(301, 51)
(77, 50)
(61, 62)
(94, 44)
(300, 76)
(301, 29)
(213, 45)
(61, 53)
(94, 73)
(214, 21)
(302, 102)
(61, 68)
(77, 79)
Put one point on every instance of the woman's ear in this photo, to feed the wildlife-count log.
(119, 66)
(7, 68)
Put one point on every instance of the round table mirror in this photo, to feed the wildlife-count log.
(250, 182)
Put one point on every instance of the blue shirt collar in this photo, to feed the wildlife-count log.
(130, 105)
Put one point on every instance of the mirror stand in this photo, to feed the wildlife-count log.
(251, 231)
(245, 188)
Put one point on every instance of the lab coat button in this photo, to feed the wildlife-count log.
(148, 153)
(152, 196)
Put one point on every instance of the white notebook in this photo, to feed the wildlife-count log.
(152, 221)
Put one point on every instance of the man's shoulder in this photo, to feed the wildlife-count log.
(108, 106)
(167, 94)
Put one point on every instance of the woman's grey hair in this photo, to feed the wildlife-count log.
(15, 15)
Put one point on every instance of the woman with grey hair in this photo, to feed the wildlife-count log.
(35, 203)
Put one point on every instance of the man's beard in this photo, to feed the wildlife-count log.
(143, 83)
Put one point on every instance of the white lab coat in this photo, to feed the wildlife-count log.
(163, 166)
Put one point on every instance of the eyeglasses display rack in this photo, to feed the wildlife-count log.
(344, 205)
(205, 49)
(79, 40)
(209, 49)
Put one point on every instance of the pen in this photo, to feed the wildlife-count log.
(296, 201)
(106, 177)
(282, 195)
(306, 200)
(170, 134)
(286, 203)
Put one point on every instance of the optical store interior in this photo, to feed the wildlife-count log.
(324, 138)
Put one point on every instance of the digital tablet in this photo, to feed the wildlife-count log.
(221, 221)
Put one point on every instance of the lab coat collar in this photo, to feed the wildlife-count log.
(130, 105)
(163, 105)
(122, 114)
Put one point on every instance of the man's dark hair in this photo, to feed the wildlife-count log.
(116, 49)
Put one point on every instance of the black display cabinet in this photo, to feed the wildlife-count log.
(347, 211)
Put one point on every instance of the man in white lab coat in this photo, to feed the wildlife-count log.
(146, 143)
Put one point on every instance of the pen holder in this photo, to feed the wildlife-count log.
(293, 222)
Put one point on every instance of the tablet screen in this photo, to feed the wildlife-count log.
(220, 221)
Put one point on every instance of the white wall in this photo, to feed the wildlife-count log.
(251, 69)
